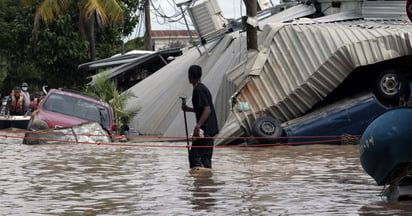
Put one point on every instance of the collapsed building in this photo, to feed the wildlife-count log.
(305, 52)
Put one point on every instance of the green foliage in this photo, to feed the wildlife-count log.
(16, 63)
(105, 49)
(52, 54)
(106, 90)
(6, 16)
(135, 44)
(130, 17)
(60, 50)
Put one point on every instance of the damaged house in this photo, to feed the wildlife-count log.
(300, 61)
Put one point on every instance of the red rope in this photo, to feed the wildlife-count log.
(352, 137)
(178, 137)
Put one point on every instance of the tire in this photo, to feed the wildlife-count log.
(267, 127)
(390, 85)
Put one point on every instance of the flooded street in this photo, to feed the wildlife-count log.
(81, 179)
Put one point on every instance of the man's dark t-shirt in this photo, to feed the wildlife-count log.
(202, 98)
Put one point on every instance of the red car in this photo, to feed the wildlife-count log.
(66, 108)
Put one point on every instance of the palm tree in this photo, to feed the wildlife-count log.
(101, 12)
(106, 90)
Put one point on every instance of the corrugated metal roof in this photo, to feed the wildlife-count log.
(296, 66)
(172, 33)
(115, 60)
(134, 62)
(305, 62)
(395, 10)
(289, 14)
(158, 95)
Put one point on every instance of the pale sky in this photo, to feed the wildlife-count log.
(230, 9)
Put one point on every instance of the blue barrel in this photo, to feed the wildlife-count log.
(386, 144)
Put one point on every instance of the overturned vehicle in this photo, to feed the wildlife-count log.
(300, 65)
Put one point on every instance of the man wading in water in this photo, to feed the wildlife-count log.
(205, 118)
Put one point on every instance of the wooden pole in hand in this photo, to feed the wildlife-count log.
(187, 133)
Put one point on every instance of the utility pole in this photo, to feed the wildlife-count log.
(148, 26)
(251, 23)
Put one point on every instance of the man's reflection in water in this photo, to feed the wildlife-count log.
(203, 188)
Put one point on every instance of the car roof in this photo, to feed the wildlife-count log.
(77, 94)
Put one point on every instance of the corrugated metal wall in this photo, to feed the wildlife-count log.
(395, 10)
(305, 62)
(296, 66)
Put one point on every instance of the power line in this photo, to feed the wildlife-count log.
(158, 11)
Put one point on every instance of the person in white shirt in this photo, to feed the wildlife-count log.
(24, 89)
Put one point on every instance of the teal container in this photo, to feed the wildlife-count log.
(386, 145)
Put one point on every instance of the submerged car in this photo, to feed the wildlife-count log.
(65, 108)
(341, 122)
(90, 132)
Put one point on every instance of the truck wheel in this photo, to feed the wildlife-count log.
(267, 127)
(390, 84)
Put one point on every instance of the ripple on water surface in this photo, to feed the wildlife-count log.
(79, 179)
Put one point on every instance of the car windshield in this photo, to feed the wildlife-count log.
(77, 107)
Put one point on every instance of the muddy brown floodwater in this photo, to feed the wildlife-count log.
(81, 179)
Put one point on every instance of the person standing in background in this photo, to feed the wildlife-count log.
(4, 108)
(25, 91)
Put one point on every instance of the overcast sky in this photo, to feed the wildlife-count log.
(230, 9)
